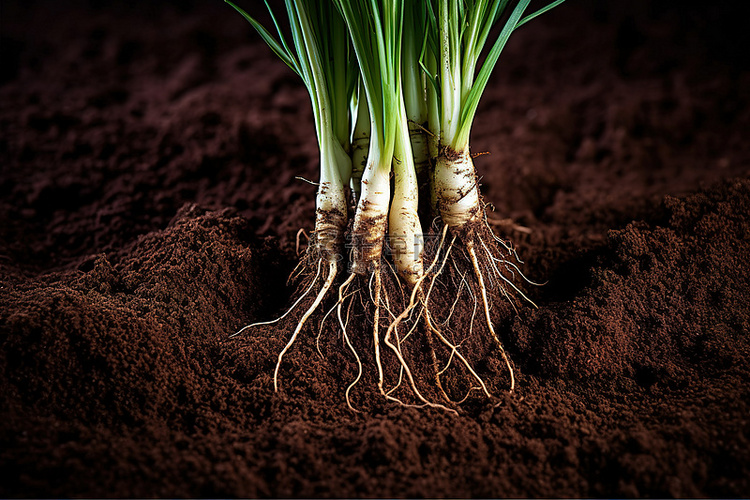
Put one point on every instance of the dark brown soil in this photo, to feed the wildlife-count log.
(148, 208)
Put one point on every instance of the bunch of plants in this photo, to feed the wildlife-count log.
(401, 259)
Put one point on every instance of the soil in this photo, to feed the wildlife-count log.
(149, 207)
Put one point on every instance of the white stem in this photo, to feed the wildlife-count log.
(368, 229)
(330, 201)
(420, 147)
(456, 188)
(360, 142)
(405, 230)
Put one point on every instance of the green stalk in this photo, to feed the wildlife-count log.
(473, 88)
(414, 84)
(461, 29)
(330, 214)
(429, 62)
(375, 32)
(320, 56)
(360, 140)
(405, 230)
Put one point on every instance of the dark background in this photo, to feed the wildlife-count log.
(148, 207)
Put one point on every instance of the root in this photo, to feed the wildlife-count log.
(400, 341)
(442, 266)
(413, 302)
(491, 269)
(342, 290)
(410, 377)
(506, 280)
(483, 291)
(296, 303)
(375, 295)
(402, 367)
(455, 302)
(376, 323)
(425, 299)
(320, 330)
(323, 291)
(301, 232)
(455, 352)
(508, 266)
(322, 322)
(418, 296)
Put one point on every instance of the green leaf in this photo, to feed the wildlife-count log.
(472, 100)
(538, 13)
(280, 50)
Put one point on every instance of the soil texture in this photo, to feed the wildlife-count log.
(149, 206)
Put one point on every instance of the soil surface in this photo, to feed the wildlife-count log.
(149, 206)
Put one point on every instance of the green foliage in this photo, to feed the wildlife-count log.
(375, 29)
(320, 55)
(456, 35)
(397, 44)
